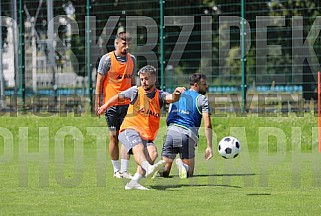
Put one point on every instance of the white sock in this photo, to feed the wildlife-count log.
(115, 165)
(124, 165)
(146, 166)
(135, 178)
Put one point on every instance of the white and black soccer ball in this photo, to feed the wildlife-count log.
(229, 147)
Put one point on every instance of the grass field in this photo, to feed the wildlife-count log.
(60, 166)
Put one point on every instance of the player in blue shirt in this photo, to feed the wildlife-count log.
(183, 123)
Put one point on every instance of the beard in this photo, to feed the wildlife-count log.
(202, 92)
(147, 88)
(124, 52)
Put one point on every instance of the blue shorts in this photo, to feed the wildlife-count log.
(178, 142)
(130, 138)
(115, 116)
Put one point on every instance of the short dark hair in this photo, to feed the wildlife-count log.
(196, 77)
(124, 36)
(148, 68)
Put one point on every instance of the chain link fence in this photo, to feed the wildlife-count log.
(253, 52)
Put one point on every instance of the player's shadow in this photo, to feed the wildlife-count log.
(178, 185)
(172, 186)
(226, 174)
(258, 194)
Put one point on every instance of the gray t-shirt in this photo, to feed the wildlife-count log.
(203, 104)
(132, 94)
(104, 63)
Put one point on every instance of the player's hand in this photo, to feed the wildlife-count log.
(101, 110)
(96, 110)
(179, 90)
(97, 113)
(208, 153)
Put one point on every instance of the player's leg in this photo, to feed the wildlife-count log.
(142, 156)
(113, 145)
(186, 162)
(124, 163)
(167, 168)
(132, 142)
(189, 165)
(129, 139)
(152, 153)
(170, 149)
(134, 182)
(122, 111)
(112, 120)
(114, 152)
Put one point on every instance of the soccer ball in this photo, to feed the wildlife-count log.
(229, 147)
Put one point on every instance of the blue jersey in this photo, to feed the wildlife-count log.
(186, 113)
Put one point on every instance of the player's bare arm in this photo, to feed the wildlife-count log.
(98, 91)
(171, 98)
(111, 102)
(208, 135)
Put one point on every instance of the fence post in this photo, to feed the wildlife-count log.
(88, 44)
(22, 89)
(243, 58)
(161, 40)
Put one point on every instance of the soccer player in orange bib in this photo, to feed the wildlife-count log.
(141, 123)
(116, 74)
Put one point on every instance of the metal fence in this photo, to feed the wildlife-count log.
(50, 49)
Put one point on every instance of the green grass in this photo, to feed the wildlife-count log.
(279, 174)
